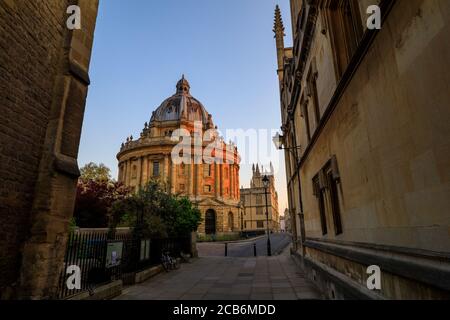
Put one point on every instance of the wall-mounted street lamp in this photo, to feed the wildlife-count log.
(279, 142)
(266, 183)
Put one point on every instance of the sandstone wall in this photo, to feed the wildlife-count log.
(36, 52)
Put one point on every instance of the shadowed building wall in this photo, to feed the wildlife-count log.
(43, 86)
(366, 113)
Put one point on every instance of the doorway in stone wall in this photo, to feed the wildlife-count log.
(210, 221)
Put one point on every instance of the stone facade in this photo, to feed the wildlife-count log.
(365, 120)
(254, 203)
(212, 184)
(43, 86)
(285, 222)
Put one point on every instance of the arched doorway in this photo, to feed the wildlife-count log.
(230, 221)
(210, 221)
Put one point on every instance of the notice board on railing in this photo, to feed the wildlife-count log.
(113, 254)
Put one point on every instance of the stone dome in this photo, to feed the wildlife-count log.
(181, 106)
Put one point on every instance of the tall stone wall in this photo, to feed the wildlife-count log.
(43, 85)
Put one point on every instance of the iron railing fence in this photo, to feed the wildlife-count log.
(102, 258)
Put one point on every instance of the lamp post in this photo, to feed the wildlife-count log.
(266, 183)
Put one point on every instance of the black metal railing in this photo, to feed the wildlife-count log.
(102, 258)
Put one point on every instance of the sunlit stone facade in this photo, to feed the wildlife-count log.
(254, 202)
(213, 187)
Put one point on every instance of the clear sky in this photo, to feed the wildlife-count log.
(226, 49)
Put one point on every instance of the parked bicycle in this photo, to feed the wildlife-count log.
(168, 262)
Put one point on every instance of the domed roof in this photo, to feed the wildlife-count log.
(181, 106)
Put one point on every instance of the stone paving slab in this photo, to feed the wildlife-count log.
(226, 278)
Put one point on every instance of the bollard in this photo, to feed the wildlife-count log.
(226, 249)
(254, 249)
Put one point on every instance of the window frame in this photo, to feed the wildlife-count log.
(319, 193)
(345, 30)
(156, 173)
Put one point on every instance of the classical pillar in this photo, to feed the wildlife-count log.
(166, 173)
(216, 180)
(128, 178)
(221, 180)
(199, 179)
(119, 178)
(173, 179)
(231, 181)
(124, 172)
(139, 172)
(238, 189)
(238, 182)
(190, 185)
(144, 179)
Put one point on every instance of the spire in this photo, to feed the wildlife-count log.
(257, 169)
(278, 27)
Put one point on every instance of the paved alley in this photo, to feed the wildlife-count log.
(228, 278)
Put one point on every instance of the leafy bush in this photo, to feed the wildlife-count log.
(94, 200)
(154, 212)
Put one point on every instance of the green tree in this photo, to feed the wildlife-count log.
(154, 212)
(95, 172)
(181, 216)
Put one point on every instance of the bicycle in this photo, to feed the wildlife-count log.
(168, 262)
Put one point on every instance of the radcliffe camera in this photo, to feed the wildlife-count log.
(239, 158)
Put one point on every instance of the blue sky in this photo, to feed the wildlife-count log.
(225, 48)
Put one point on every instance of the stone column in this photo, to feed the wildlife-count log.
(216, 180)
(190, 185)
(124, 172)
(173, 179)
(231, 181)
(199, 178)
(128, 178)
(144, 170)
(139, 172)
(238, 184)
(166, 174)
(221, 180)
(119, 178)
